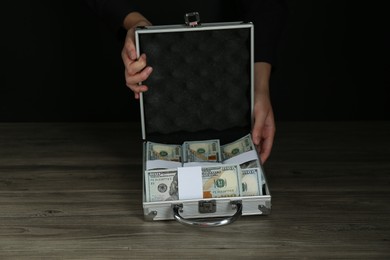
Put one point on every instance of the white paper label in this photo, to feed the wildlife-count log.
(190, 182)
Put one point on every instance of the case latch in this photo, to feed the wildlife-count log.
(192, 19)
(207, 206)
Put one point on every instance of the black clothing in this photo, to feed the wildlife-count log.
(268, 16)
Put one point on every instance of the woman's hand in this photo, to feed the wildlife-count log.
(136, 70)
(263, 131)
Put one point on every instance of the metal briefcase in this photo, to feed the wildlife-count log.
(201, 88)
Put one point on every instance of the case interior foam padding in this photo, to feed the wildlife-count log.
(200, 81)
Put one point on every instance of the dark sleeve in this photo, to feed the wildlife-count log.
(268, 17)
(112, 11)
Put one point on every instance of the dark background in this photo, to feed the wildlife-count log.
(59, 62)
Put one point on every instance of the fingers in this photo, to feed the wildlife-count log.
(259, 123)
(136, 71)
(134, 67)
(136, 78)
(256, 132)
(133, 81)
(266, 145)
(129, 47)
(256, 135)
(138, 89)
(263, 134)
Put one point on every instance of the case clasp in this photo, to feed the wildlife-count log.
(192, 19)
(207, 206)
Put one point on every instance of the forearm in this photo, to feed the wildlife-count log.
(262, 71)
(263, 131)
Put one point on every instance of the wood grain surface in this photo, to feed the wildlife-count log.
(73, 191)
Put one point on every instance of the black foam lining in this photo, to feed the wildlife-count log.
(200, 82)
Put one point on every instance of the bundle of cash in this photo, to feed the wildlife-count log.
(230, 170)
(239, 147)
(218, 182)
(161, 185)
(167, 152)
(202, 151)
(221, 181)
(163, 156)
(251, 180)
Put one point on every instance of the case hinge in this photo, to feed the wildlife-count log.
(151, 215)
(264, 210)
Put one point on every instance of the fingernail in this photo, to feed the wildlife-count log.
(149, 70)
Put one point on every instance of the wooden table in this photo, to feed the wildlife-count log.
(73, 191)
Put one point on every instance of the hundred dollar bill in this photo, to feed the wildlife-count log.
(251, 182)
(167, 152)
(161, 185)
(163, 156)
(221, 181)
(239, 147)
(202, 151)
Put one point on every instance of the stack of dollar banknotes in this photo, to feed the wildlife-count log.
(230, 170)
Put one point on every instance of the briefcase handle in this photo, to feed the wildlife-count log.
(207, 222)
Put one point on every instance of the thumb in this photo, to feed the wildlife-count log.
(130, 45)
(257, 131)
